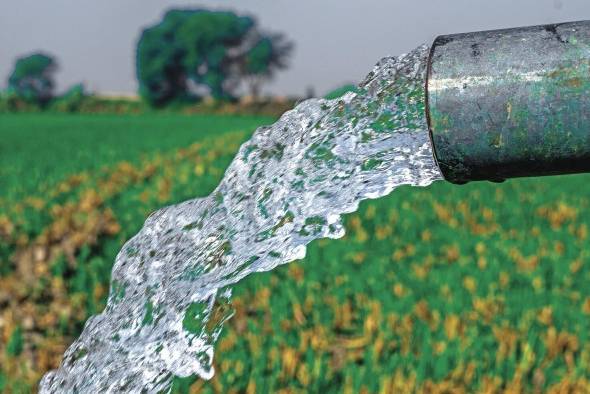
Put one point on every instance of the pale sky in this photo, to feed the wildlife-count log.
(337, 41)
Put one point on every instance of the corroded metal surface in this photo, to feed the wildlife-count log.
(511, 103)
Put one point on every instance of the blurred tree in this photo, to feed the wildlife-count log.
(191, 53)
(72, 99)
(267, 56)
(33, 78)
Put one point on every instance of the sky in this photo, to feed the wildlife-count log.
(337, 41)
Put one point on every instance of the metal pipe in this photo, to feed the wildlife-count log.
(510, 103)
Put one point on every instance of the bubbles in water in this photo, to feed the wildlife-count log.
(290, 184)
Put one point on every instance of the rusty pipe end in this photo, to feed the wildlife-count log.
(510, 103)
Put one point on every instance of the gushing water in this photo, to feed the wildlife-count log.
(288, 185)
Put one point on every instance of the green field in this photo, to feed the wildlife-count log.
(475, 288)
(38, 150)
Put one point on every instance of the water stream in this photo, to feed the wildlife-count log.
(287, 186)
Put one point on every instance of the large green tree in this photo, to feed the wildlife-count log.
(33, 78)
(192, 53)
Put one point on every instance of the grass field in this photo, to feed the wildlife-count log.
(39, 150)
(477, 288)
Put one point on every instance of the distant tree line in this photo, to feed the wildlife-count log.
(32, 82)
(188, 55)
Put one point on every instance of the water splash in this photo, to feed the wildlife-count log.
(288, 185)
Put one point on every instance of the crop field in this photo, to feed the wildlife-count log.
(445, 289)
